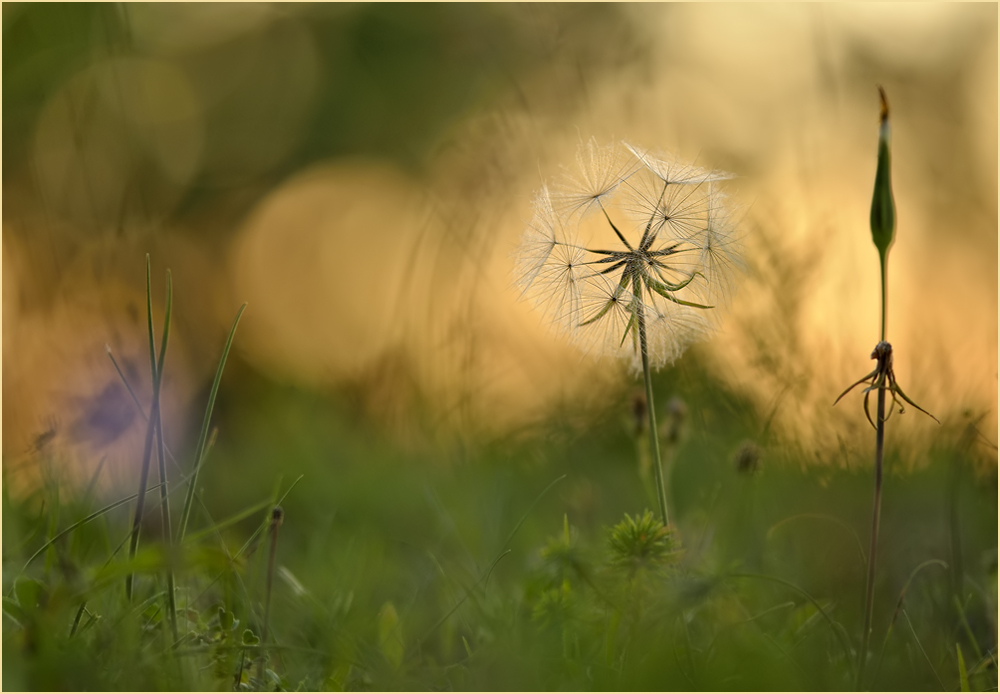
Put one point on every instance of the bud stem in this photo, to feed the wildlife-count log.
(884, 261)
(876, 509)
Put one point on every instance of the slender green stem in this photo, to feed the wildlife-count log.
(654, 438)
(876, 509)
(277, 515)
(884, 262)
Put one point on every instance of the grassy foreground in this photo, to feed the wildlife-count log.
(491, 565)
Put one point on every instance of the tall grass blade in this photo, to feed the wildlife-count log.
(147, 449)
(203, 437)
(161, 449)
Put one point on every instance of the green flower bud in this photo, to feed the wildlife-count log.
(883, 217)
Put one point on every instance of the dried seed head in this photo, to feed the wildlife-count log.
(632, 245)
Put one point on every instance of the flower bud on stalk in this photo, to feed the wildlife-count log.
(882, 378)
(883, 215)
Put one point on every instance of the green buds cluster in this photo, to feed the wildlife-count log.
(642, 542)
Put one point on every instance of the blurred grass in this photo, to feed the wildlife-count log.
(372, 524)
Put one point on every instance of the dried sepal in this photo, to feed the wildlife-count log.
(883, 378)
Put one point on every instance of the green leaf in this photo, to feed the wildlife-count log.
(249, 638)
(389, 635)
(28, 592)
(15, 611)
(226, 619)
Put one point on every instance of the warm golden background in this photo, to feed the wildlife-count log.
(361, 174)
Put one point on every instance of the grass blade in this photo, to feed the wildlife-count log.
(899, 608)
(227, 522)
(203, 437)
(62, 533)
(826, 517)
(963, 674)
(277, 501)
(923, 652)
(835, 626)
(147, 449)
(157, 420)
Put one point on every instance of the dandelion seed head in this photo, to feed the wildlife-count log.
(671, 170)
(631, 247)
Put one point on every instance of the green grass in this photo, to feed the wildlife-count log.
(490, 566)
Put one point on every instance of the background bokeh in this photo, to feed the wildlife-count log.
(361, 174)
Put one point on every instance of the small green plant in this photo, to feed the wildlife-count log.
(577, 263)
(642, 543)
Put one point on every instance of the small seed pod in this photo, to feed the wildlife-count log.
(747, 458)
(676, 416)
(638, 406)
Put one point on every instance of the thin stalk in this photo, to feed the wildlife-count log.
(884, 262)
(876, 508)
(277, 515)
(654, 439)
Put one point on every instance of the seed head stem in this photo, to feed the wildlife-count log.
(654, 439)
